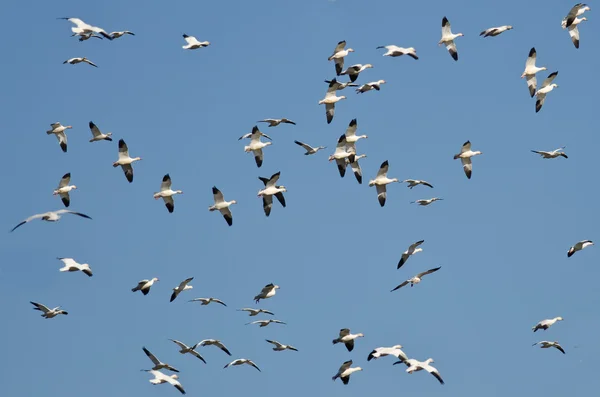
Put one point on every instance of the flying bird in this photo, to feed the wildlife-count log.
(553, 154)
(125, 161)
(387, 351)
(380, 181)
(373, 85)
(160, 378)
(264, 323)
(412, 249)
(424, 202)
(342, 153)
(64, 188)
(206, 301)
(416, 279)
(547, 86)
(50, 216)
(270, 190)
(356, 166)
(574, 31)
(345, 371)
(340, 86)
(241, 361)
(222, 206)
(347, 338)
(116, 35)
(167, 193)
(59, 130)
(183, 286)
(395, 51)
(215, 342)
(82, 27)
(331, 99)
(193, 43)
(157, 363)
(416, 365)
(268, 291)
(188, 349)
(339, 53)
(546, 344)
(465, 157)
(281, 347)
(309, 149)
(276, 122)
(97, 135)
(448, 38)
(545, 324)
(256, 146)
(144, 285)
(579, 246)
(355, 70)
(415, 182)
(492, 32)
(575, 11)
(75, 61)
(46, 312)
(531, 70)
(71, 266)
(254, 312)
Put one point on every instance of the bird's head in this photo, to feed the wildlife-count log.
(350, 50)
(509, 27)
(247, 149)
(360, 335)
(372, 182)
(331, 158)
(429, 361)
(342, 97)
(559, 318)
(233, 202)
(358, 369)
(368, 66)
(175, 376)
(109, 134)
(73, 187)
(397, 346)
(155, 279)
(276, 286)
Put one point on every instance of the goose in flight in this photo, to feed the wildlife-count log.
(345, 371)
(424, 202)
(547, 86)
(86, 36)
(82, 27)
(350, 134)
(46, 312)
(388, 351)
(59, 130)
(256, 146)
(545, 324)
(448, 38)
(340, 86)
(125, 161)
(97, 135)
(373, 85)
(531, 70)
(183, 286)
(71, 266)
(341, 154)
(412, 249)
(157, 363)
(276, 122)
(579, 246)
(75, 61)
(553, 154)
(206, 301)
(416, 365)
(380, 181)
(575, 11)
(493, 32)
(116, 35)
(416, 279)
(264, 323)
(50, 216)
(214, 342)
(222, 206)
(249, 135)
(395, 51)
(338, 56)
(254, 312)
(270, 190)
(160, 378)
(281, 347)
(193, 43)
(167, 193)
(241, 361)
(465, 158)
(188, 349)
(144, 285)
(356, 167)
(347, 338)
(546, 344)
(354, 71)
(415, 182)
(330, 100)
(309, 149)
(268, 291)
(574, 31)
(64, 188)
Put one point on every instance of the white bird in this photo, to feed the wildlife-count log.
(144, 285)
(347, 338)
(116, 35)
(46, 312)
(64, 188)
(416, 279)
(531, 70)
(264, 323)
(330, 100)
(465, 157)
(424, 202)
(157, 363)
(82, 27)
(160, 378)
(415, 182)
(412, 249)
(270, 190)
(268, 291)
(492, 32)
(167, 193)
(256, 146)
(193, 43)
(71, 266)
(97, 135)
(340, 86)
(281, 347)
(59, 130)
(241, 361)
(50, 216)
(373, 85)
(553, 154)
(254, 312)
(354, 71)
(579, 246)
(575, 11)
(338, 56)
(416, 365)
(545, 324)
(547, 86)
(215, 342)
(345, 371)
(86, 36)
(356, 166)
(350, 134)
(125, 161)
(380, 181)
(546, 344)
(309, 149)
(249, 135)
(188, 349)
(222, 206)
(448, 38)
(183, 286)
(206, 301)
(395, 51)
(75, 61)
(342, 153)
(574, 32)
(276, 122)
(388, 351)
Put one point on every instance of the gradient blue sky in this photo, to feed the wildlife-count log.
(501, 237)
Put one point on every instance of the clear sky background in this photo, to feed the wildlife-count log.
(501, 237)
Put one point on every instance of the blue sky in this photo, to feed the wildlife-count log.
(501, 237)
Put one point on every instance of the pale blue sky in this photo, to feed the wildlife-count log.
(501, 237)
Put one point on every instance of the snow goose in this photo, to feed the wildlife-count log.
(241, 361)
(86, 36)
(465, 157)
(157, 363)
(545, 324)
(254, 312)
(575, 11)
(356, 167)
(183, 286)
(280, 346)
(347, 338)
(387, 351)
(380, 181)
(546, 344)
(395, 51)
(373, 85)
(97, 135)
(71, 266)
(264, 323)
(354, 71)
(340, 86)
(193, 43)
(579, 246)
(574, 32)
(338, 56)
(492, 32)
(415, 182)
(448, 38)
(206, 301)
(345, 371)
(416, 365)
(167, 193)
(249, 135)
(215, 342)
(276, 122)
(46, 312)
(424, 202)
(412, 249)
(256, 146)
(160, 378)
(270, 190)
(341, 154)
(531, 70)
(547, 86)
(416, 279)
(125, 161)
(309, 149)
(222, 206)
(64, 188)
(330, 100)
(553, 154)
(82, 27)
(144, 285)
(268, 291)
(59, 130)
(116, 35)
(75, 61)
(50, 216)
(350, 134)
(188, 349)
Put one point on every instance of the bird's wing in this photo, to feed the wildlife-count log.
(189, 39)
(288, 121)
(467, 167)
(532, 84)
(249, 362)
(344, 332)
(90, 62)
(466, 147)
(226, 212)
(549, 79)
(383, 169)
(340, 46)
(185, 282)
(128, 171)
(62, 140)
(400, 286)
(279, 196)
(197, 355)
(329, 112)
(415, 245)
(304, 145)
(68, 262)
(258, 157)
(151, 356)
(65, 180)
(123, 149)
(178, 343)
(74, 213)
(357, 170)
(274, 178)
(572, 14)
(345, 366)
(274, 342)
(267, 204)
(40, 307)
(446, 27)
(428, 272)
(426, 184)
(574, 33)
(381, 194)
(341, 165)
(559, 347)
(351, 130)
(222, 347)
(531, 58)
(166, 183)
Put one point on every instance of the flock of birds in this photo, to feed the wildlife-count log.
(345, 155)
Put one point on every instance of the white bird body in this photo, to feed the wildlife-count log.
(531, 70)
(552, 154)
(280, 346)
(264, 323)
(547, 344)
(222, 206)
(338, 56)
(166, 193)
(424, 202)
(160, 378)
(387, 351)
(415, 182)
(71, 266)
(97, 135)
(331, 99)
(416, 279)
(412, 249)
(183, 286)
(241, 361)
(276, 122)
(373, 85)
(50, 216)
(75, 61)
(193, 43)
(46, 312)
(64, 188)
(268, 291)
(354, 71)
(545, 324)
(579, 246)
(60, 131)
(125, 161)
(254, 312)
(347, 338)
(416, 365)
(271, 189)
(380, 182)
(448, 38)
(465, 157)
(309, 149)
(144, 285)
(206, 301)
(492, 32)
(547, 86)
(395, 51)
(256, 146)
(345, 371)
(350, 134)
